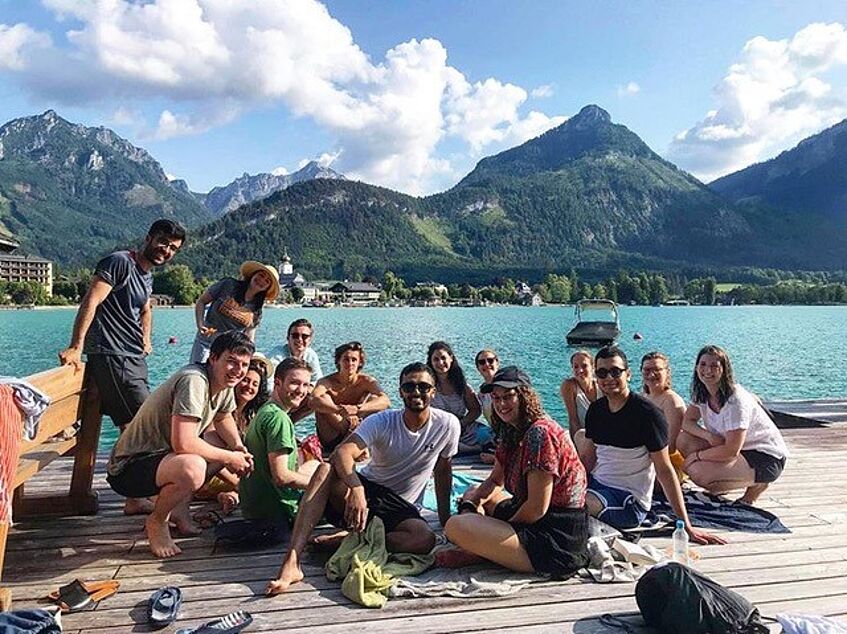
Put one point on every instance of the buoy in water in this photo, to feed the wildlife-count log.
(637, 336)
(172, 340)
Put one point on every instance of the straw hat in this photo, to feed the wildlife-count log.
(251, 266)
(263, 360)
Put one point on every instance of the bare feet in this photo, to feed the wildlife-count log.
(159, 536)
(752, 493)
(228, 501)
(138, 506)
(289, 574)
(183, 523)
(328, 542)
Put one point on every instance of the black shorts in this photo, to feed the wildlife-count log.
(122, 383)
(138, 477)
(766, 466)
(557, 544)
(382, 503)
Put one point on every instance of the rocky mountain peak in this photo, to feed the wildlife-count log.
(590, 116)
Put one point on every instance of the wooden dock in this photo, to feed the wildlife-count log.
(802, 572)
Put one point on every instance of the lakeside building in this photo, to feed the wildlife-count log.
(27, 268)
(355, 292)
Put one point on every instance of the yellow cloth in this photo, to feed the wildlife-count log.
(677, 460)
(368, 569)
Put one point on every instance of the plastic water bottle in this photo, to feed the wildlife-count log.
(680, 543)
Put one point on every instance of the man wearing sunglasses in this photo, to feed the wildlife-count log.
(406, 447)
(624, 448)
(298, 346)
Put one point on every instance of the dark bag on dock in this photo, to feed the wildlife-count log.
(677, 600)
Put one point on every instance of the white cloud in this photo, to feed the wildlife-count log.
(542, 92)
(17, 43)
(125, 116)
(279, 171)
(773, 96)
(211, 60)
(631, 88)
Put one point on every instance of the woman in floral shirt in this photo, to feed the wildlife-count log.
(529, 514)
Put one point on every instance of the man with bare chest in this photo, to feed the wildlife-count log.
(344, 398)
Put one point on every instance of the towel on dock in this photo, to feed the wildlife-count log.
(470, 582)
(461, 483)
(10, 440)
(711, 511)
(368, 569)
(30, 401)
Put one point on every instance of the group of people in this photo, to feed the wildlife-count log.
(226, 421)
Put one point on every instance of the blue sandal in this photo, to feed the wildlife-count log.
(163, 606)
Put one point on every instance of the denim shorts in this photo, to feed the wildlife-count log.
(620, 508)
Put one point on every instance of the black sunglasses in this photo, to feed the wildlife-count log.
(487, 361)
(410, 387)
(615, 373)
(300, 335)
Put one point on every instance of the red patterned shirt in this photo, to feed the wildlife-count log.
(545, 447)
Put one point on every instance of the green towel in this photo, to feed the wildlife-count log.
(368, 569)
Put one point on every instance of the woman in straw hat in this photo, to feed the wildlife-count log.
(233, 305)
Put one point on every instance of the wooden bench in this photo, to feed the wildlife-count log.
(69, 426)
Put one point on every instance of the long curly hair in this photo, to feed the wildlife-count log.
(726, 387)
(531, 410)
(262, 395)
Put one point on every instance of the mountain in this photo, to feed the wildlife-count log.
(587, 194)
(331, 227)
(588, 186)
(70, 192)
(247, 188)
(800, 196)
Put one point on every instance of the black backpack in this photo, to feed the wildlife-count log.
(675, 599)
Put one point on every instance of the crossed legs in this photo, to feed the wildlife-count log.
(412, 535)
(488, 537)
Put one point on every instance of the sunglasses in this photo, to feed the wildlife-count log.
(653, 370)
(487, 361)
(300, 335)
(615, 373)
(410, 387)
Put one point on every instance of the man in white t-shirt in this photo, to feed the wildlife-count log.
(406, 447)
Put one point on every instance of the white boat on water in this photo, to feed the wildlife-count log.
(596, 323)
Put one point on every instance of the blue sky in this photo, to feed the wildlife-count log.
(410, 95)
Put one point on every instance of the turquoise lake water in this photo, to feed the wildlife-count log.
(780, 352)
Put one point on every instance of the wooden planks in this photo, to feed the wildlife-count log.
(804, 571)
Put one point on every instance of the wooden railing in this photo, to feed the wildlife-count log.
(69, 426)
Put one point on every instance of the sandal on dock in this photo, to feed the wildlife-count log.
(163, 606)
(78, 594)
(232, 623)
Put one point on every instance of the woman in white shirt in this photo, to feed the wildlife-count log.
(579, 391)
(737, 446)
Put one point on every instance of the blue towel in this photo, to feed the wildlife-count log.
(461, 482)
(711, 511)
(29, 622)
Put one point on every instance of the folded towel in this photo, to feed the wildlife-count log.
(30, 400)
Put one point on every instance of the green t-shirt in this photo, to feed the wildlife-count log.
(271, 431)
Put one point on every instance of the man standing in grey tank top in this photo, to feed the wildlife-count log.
(114, 323)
